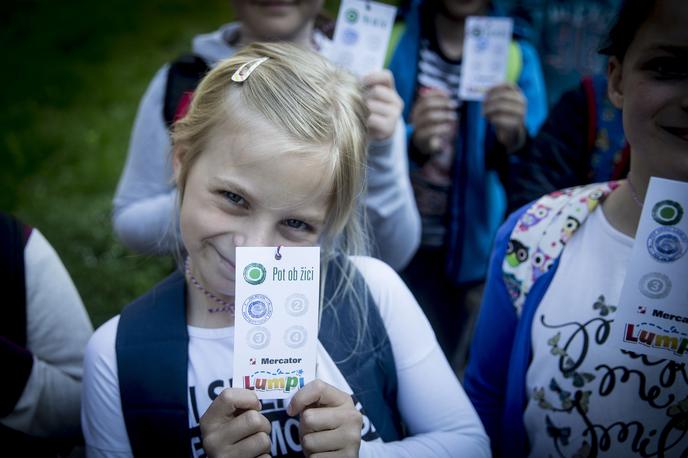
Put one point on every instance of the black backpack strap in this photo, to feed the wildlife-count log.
(13, 351)
(366, 361)
(12, 241)
(152, 362)
(183, 76)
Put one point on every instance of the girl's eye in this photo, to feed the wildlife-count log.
(668, 68)
(297, 224)
(234, 198)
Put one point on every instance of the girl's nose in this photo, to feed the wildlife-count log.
(256, 235)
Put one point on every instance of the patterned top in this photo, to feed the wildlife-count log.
(542, 232)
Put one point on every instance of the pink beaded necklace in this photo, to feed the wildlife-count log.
(224, 305)
(634, 193)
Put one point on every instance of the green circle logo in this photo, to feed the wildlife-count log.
(254, 273)
(667, 212)
(351, 15)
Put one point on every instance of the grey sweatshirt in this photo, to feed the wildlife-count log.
(145, 204)
(57, 330)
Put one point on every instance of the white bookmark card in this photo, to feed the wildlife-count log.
(485, 55)
(276, 319)
(361, 36)
(653, 308)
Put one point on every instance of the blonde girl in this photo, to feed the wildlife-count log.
(278, 159)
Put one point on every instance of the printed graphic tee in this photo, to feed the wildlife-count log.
(587, 397)
(211, 352)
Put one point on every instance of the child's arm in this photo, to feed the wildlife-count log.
(486, 375)
(145, 201)
(390, 204)
(102, 420)
(57, 331)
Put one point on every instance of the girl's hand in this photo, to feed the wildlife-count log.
(434, 121)
(330, 423)
(505, 108)
(384, 104)
(234, 427)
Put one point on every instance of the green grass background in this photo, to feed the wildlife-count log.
(73, 74)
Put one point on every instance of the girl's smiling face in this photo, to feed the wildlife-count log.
(650, 85)
(251, 186)
(277, 20)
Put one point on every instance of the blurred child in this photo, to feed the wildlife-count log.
(543, 374)
(277, 159)
(566, 34)
(144, 206)
(455, 148)
(43, 334)
(581, 142)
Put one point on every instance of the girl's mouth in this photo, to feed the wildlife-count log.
(680, 132)
(224, 260)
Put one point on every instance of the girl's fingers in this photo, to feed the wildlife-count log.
(504, 107)
(436, 130)
(230, 401)
(435, 118)
(381, 77)
(329, 441)
(383, 94)
(233, 431)
(383, 109)
(256, 445)
(502, 88)
(380, 127)
(326, 418)
(317, 393)
(248, 423)
(437, 101)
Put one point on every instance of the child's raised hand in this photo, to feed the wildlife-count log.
(234, 427)
(434, 120)
(505, 108)
(329, 420)
(384, 104)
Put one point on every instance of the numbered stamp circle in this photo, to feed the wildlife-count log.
(295, 336)
(667, 212)
(655, 285)
(667, 244)
(258, 337)
(296, 304)
(257, 309)
(254, 273)
(349, 37)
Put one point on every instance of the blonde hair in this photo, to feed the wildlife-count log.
(313, 102)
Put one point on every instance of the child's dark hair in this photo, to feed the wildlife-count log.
(631, 16)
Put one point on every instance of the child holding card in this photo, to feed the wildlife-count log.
(545, 373)
(455, 149)
(272, 153)
(144, 217)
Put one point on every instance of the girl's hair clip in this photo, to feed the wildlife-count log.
(245, 70)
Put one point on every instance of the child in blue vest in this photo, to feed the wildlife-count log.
(544, 373)
(277, 159)
(456, 149)
(144, 217)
